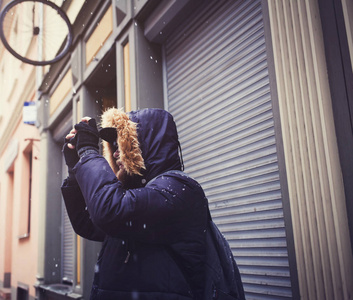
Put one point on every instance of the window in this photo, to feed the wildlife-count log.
(78, 110)
(26, 195)
(127, 85)
(9, 193)
(2, 87)
(22, 292)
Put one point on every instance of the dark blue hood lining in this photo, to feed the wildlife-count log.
(158, 138)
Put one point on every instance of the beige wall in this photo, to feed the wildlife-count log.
(316, 195)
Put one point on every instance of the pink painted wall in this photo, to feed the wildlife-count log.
(20, 255)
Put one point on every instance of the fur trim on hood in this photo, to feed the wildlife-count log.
(129, 147)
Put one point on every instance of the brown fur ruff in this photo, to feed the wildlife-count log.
(129, 147)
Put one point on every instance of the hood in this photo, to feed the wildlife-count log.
(147, 139)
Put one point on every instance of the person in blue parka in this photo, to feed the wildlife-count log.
(150, 216)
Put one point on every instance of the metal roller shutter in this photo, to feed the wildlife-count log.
(217, 89)
(68, 249)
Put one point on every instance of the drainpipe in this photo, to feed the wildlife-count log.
(43, 151)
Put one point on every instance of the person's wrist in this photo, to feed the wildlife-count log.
(86, 150)
(71, 173)
(85, 139)
(71, 177)
(70, 155)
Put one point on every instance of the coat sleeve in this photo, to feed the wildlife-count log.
(142, 213)
(78, 214)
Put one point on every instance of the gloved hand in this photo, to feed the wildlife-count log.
(87, 135)
(71, 158)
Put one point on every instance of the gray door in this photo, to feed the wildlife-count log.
(217, 88)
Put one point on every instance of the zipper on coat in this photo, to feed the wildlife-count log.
(127, 257)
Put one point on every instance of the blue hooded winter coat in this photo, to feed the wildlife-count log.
(147, 231)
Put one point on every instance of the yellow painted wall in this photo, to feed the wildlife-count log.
(99, 35)
(61, 92)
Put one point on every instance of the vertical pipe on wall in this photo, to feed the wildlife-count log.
(42, 206)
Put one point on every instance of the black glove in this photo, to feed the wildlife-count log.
(71, 158)
(87, 135)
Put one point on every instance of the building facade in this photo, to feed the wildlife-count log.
(19, 180)
(262, 94)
